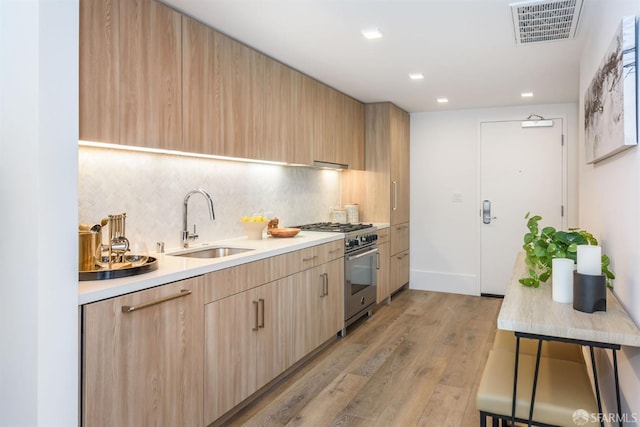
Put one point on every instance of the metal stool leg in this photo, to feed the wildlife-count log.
(515, 383)
(615, 373)
(535, 382)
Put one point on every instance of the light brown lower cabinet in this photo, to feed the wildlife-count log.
(185, 353)
(319, 310)
(254, 336)
(142, 358)
(383, 285)
(245, 344)
(399, 270)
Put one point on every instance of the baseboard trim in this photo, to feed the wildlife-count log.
(444, 282)
(492, 295)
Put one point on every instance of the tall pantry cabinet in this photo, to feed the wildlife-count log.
(382, 190)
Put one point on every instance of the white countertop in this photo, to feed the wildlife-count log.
(532, 310)
(174, 268)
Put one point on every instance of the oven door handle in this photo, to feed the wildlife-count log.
(364, 254)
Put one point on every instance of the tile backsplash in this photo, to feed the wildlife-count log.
(151, 188)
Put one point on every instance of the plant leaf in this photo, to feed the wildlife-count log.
(545, 276)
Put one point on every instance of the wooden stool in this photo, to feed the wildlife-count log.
(563, 388)
(506, 340)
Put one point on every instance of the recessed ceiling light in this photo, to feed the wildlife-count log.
(526, 94)
(416, 76)
(442, 100)
(372, 33)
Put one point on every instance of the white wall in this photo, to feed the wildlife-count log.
(610, 205)
(444, 160)
(151, 188)
(38, 181)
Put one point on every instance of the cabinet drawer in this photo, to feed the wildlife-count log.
(233, 280)
(316, 255)
(383, 235)
(399, 237)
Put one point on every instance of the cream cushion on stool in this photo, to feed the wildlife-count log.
(563, 388)
(506, 340)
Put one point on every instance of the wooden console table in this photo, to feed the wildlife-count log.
(532, 313)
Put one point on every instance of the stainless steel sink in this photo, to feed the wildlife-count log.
(216, 252)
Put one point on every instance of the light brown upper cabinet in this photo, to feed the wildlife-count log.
(202, 119)
(223, 93)
(353, 130)
(152, 77)
(99, 71)
(382, 192)
(130, 73)
(339, 129)
(399, 155)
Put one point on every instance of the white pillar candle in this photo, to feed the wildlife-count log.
(562, 280)
(589, 260)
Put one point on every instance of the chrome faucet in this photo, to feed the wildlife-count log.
(186, 236)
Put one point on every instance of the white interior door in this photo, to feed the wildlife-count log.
(521, 170)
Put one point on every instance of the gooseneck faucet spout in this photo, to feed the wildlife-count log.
(186, 236)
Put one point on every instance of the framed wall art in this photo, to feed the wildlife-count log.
(610, 109)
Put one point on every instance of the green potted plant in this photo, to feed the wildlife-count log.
(542, 245)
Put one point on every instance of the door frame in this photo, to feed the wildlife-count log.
(564, 189)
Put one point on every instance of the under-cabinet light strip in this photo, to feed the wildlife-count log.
(178, 153)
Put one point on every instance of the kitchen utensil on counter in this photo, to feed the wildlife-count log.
(89, 238)
(105, 274)
(87, 245)
(254, 229)
(284, 232)
(116, 258)
(274, 231)
(352, 213)
(339, 216)
(138, 254)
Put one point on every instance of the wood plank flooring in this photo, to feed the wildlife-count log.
(415, 362)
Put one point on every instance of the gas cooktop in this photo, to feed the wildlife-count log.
(334, 227)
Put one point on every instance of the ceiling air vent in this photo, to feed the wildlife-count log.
(545, 21)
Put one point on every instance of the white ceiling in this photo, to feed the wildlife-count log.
(466, 49)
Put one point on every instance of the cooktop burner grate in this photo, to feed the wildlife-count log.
(333, 227)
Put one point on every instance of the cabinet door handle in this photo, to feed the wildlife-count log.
(255, 325)
(130, 308)
(310, 258)
(378, 261)
(395, 195)
(261, 325)
(322, 285)
(326, 284)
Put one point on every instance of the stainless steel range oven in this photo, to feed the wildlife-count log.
(360, 267)
(360, 270)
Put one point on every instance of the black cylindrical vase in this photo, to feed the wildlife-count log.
(589, 292)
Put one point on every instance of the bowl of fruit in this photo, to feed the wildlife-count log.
(254, 226)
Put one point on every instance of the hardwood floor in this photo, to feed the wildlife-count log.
(415, 362)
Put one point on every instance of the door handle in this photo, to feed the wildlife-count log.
(261, 302)
(486, 212)
(395, 195)
(256, 325)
